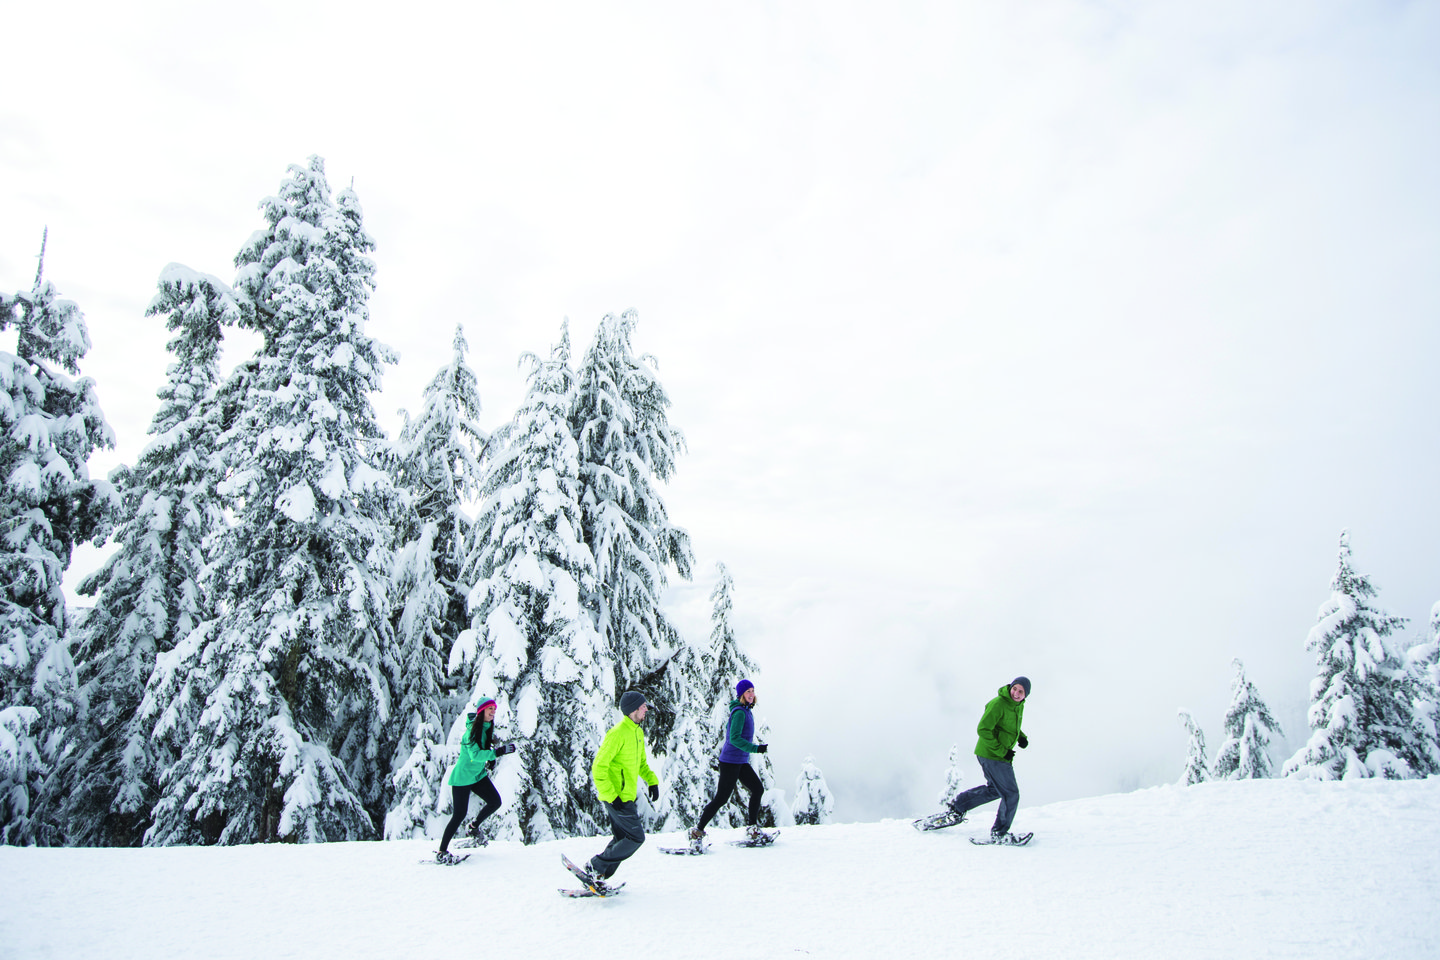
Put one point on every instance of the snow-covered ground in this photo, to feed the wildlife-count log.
(1249, 869)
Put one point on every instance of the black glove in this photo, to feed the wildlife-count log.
(1009, 755)
(654, 792)
(762, 747)
(1024, 741)
(504, 748)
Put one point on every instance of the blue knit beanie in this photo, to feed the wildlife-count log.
(742, 686)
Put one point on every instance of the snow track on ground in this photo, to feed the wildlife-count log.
(1222, 870)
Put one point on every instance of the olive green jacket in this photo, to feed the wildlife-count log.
(999, 726)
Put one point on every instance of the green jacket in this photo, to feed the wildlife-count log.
(620, 762)
(471, 767)
(999, 726)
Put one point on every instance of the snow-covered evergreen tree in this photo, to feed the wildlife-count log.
(953, 777)
(1249, 725)
(1197, 768)
(626, 443)
(532, 643)
(730, 665)
(690, 752)
(436, 464)
(814, 803)
(277, 708)
(148, 593)
(1362, 703)
(1420, 685)
(49, 425)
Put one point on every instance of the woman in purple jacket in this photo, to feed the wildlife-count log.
(735, 763)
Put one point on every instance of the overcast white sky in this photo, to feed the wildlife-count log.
(1057, 338)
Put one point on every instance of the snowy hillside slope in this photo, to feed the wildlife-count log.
(1245, 869)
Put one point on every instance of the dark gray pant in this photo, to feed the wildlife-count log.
(629, 834)
(999, 784)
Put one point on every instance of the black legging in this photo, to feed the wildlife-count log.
(460, 805)
(729, 773)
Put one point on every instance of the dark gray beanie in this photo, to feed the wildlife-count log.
(630, 701)
(1024, 682)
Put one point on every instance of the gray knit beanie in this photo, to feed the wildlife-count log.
(630, 701)
(1024, 682)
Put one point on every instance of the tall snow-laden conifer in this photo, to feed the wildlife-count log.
(1362, 712)
(1197, 768)
(148, 594)
(1423, 668)
(814, 803)
(1249, 725)
(691, 748)
(729, 665)
(436, 464)
(49, 426)
(277, 707)
(626, 444)
(532, 642)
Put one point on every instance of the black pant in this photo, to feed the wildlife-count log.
(460, 805)
(729, 773)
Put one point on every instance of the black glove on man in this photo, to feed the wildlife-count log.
(762, 747)
(1024, 741)
(1009, 755)
(504, 748)
(654, 792)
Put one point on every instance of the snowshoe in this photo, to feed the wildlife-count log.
(1003, 840)
(594, 886)
(939, 821)
(610, 890)
(447, 859)
(697, 846)
(755, 837)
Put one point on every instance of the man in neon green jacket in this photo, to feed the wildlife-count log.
(619, 767)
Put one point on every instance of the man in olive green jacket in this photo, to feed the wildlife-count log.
(1000, 734)
(619, 767)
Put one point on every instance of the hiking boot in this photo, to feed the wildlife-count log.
(446, 857)
(594, 881)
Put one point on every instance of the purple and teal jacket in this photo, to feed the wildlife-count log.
(739, 734)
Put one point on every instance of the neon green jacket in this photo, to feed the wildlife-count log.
(620, 762)
(999, 726)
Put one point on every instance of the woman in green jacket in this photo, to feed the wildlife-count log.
(478, 754)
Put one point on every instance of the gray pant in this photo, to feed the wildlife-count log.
(999, 784)
(629, 834)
